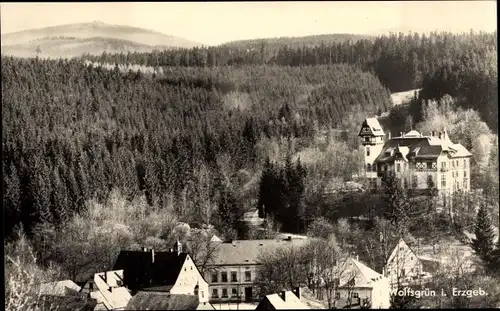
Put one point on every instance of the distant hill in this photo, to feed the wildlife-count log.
(92, 38)
(309, 41)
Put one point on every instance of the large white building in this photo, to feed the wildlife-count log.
(417, 160)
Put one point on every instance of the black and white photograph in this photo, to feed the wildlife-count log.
(274, 155)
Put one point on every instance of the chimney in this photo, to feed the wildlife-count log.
(144, 249)
(178, 247)
(171, 250)
(389, 136)
(283, 295)
(401, 134)
(152, 255)
(357, 257)
(289, 238)
(296, 291)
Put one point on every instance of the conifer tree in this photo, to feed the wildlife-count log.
(483, 242)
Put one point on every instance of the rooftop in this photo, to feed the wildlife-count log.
(290, 302)
(143, 269)
(248, 251)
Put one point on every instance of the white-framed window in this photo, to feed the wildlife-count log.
(224, 292)
(398, 167)
(215, 292)
(337, 295)
(368, 151)
(355, 295)
(443, 181)
(234, 292)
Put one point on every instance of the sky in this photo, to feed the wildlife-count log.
(218, 22)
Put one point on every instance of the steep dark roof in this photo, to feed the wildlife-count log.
(419, 147)
(162, 301)
(140, 272)
(66, 303)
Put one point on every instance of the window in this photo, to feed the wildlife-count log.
(430, 180)
(443, 181)
(248, 276)
(385, 167)
(367, 139)
(415, 181)
(443, 165)
(233, 277)
(234, 292)
(429, 165)
(368, 151)
(465, 183)
(202, 294)
(465, 163)
(337, 295)
(465, 174)
(411, 257)
(368, 167)
(214, 277)
(215, 293)
(224, 293)
(224, 276)
(401, 248)
(405, 181)
(355, 295)
(398, 167)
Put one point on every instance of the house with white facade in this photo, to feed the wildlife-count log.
(403, 267)
(171, 272)
(418, 161)
(359, 286)
(285, 300)
(232, 273)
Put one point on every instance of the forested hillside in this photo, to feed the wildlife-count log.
(461, 65)
(73, 132)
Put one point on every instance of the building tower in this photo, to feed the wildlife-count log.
(372, 137)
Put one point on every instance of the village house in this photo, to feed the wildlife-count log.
(285, 300)
(108, 290)
(171, 272)
(360, 286)
(403, 267)
(232, 274)
(417, 160)
(165, 301)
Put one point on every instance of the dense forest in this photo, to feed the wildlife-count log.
(461, 65)
(73, 132)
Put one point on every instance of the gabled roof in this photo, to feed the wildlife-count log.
(291, 302)
(362, 274)
(140, 271)
(248, 251)
(162, 301)
(374, 125)
(395, 250)
(110, 292)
